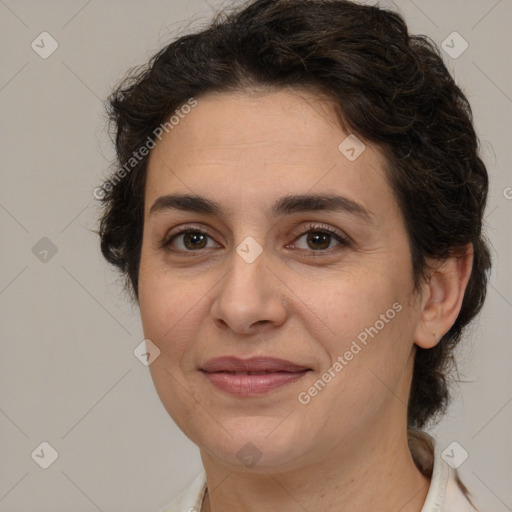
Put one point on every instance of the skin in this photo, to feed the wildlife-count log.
(347, 448)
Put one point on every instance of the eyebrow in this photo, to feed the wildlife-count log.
(285, 205)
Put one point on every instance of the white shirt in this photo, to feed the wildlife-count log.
(444, 494)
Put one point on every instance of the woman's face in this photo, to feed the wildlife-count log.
(321, 287)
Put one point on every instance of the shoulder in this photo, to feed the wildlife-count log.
(191, 499)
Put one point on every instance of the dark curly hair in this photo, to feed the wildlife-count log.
(389, 87)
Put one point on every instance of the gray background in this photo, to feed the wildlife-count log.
(68, 373)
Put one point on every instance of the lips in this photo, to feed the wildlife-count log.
(252, 365)
(251, 377)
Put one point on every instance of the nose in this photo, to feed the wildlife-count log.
(250, 298)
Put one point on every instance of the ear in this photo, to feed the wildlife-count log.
(442, 297)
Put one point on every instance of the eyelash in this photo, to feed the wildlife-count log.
(165, 244)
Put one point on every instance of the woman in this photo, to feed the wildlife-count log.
(297, 209)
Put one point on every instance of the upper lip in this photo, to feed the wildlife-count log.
(254, 364)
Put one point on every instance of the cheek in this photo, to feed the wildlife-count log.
(370, 329)
(348, 303)
(173, 308)
(166, 310)
(163, 304)
(367, 373)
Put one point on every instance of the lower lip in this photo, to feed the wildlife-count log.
(252, 385)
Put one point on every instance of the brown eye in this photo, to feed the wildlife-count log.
(320, 239)
(194, 240)
(187, 241)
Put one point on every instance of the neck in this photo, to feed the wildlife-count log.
(382, 476)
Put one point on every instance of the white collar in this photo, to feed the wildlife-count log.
(445, 494)
(191, 499)
(437, 491)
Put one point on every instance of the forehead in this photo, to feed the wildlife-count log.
(249, 147)
(245, 122)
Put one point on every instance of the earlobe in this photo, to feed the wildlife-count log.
(442, 297)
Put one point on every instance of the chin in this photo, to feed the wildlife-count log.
(257, 445)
